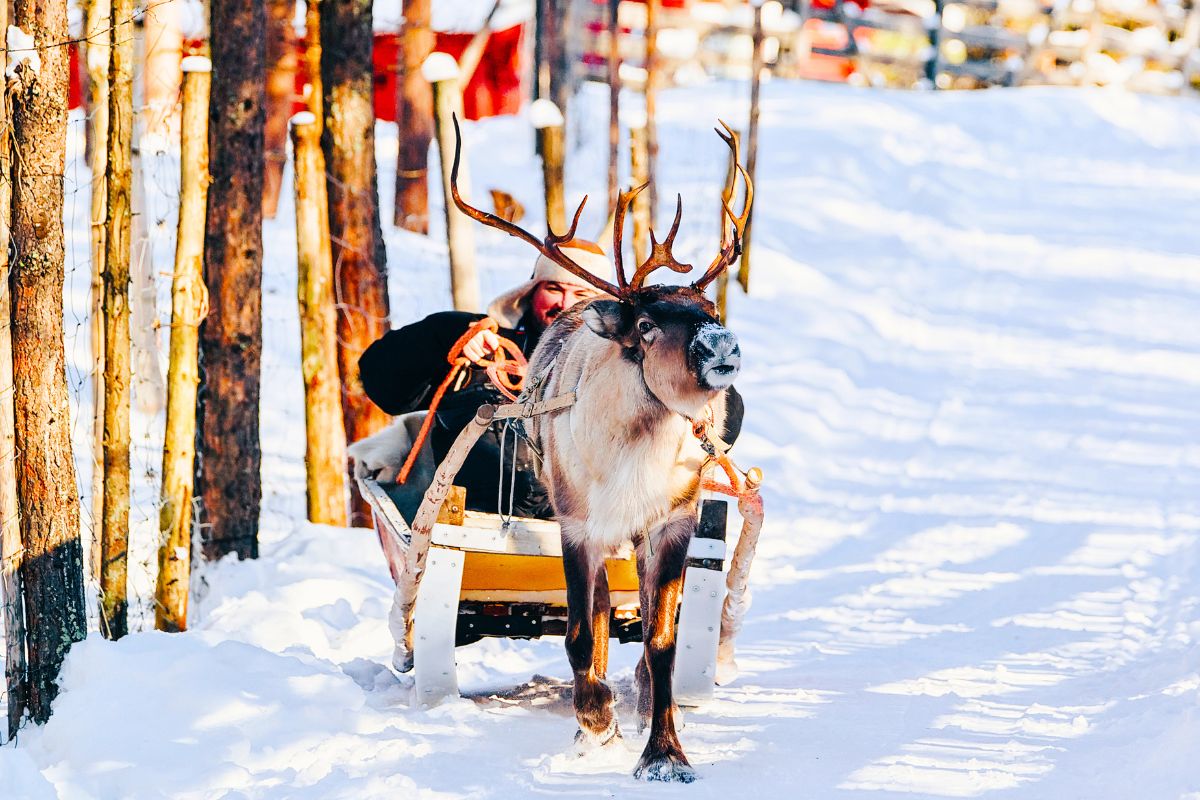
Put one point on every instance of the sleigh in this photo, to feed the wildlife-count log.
(464, 575)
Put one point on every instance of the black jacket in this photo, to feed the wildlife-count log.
(401, 371)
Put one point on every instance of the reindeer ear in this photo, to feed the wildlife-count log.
(607, 318)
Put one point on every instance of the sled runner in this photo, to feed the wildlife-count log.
(465, 575)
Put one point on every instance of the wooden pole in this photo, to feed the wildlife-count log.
(752, 137)
(162, 77)
(557, 53)
(10, 531)
(548, 122)
(99, 35)
(325, 449)
(639, 159)
(651, 91)
(415, 115)
(472, 54)
(189, 304)
(355, 226)
(315, 101)
(281, 86)
(114, 533)
(614, 104)
(229, 458)
(727, 196)
(442, 72)
(52, 569)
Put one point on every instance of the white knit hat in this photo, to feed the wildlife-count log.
(508, 308)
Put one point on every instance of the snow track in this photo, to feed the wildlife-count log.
(972, 371)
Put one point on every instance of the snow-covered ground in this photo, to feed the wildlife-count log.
(972, 373)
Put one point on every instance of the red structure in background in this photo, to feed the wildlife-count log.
(494, 89)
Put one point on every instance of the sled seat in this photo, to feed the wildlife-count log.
(486, 578)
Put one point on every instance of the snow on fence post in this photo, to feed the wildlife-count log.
(189, 304)
(756, 68)
(99, 35)
(639, 164)
(325, 448)
(548, 120)
(114, 534)
(10, 532)
(441, 71)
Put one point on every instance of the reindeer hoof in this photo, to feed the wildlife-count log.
(586, 741)
(667, 767)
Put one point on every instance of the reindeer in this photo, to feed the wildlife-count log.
(649, 369)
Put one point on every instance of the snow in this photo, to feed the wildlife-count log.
(439, 67)
(21, 50)
(970, 363)
(544, 114)
(196, 64)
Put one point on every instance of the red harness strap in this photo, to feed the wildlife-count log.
(505, 367)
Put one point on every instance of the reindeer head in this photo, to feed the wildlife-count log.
(685, 354)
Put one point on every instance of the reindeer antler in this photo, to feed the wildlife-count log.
(624, 200)
(551, 247)
(660, 254)
(731, 247)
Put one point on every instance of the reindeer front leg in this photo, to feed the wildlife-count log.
(593, 699)
(662, 576)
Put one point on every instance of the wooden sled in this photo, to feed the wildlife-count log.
(465, 575)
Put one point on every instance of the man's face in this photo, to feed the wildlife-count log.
(551, 298)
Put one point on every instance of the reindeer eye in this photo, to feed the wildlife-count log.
(645, 326)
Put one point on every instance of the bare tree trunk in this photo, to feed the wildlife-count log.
(162, 78)
(441, 70)
(415, 118)
(651, 106)
(52, 570)
(114, 535)
(359, 260)
(312, 59)
(756, 69)
(99, 36)
(228, 479)
(559, 54)
(189, 303)
(281, 83)
(614, 104)
(639, 174)
(325, 448)
(548, 121)
(10, 531)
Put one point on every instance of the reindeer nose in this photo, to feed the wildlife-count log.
(718, 356)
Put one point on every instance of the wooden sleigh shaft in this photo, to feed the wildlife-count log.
(446, 570)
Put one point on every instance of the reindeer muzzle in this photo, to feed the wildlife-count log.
(718, 357)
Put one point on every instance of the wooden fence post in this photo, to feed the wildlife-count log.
(639, 160)
(727, 196)
(189, 304)
(52, 565)
(10, 531)
(325, 437)
(315, 102)
(548, 123)
(99, 35)
(756, 68)
(114, 536)
(441, 71)
(651, 91)
(281, 86)
(414, 104)
(614, 105)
